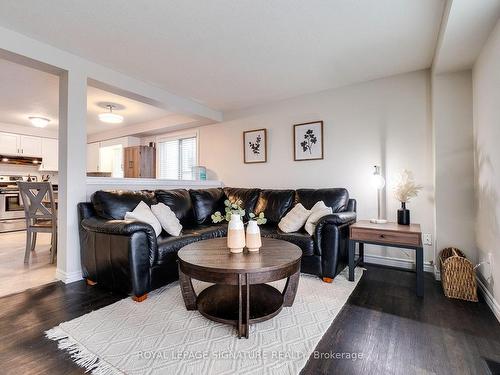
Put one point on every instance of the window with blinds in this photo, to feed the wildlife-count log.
(176, 158)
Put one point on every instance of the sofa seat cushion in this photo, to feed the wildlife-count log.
(113, 205)
(180, 203)
(301, 239)
(168, 246)
(275, 204)
(248, 198)
(336, 198)
(206, 202)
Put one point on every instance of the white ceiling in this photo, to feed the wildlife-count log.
(233, 54)
(28, 92)
(134, 112)
(465, 29)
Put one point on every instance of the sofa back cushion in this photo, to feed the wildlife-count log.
(205, 203)
(113, 205)
(248, 198)
(275, 204)
(180, 203)
(336, 198)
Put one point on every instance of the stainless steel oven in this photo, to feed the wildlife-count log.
(11, 206)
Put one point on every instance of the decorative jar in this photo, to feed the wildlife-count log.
(235, 234)
(254, 242)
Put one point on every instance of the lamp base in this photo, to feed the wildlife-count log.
(378, 221)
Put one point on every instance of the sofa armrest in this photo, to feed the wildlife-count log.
(331, 234)
(338, 218)
(119, 253)
(123, 228)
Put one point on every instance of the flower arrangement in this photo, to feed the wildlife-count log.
(405, 187)
(236, 208)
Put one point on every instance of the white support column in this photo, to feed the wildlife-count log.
(72, 170)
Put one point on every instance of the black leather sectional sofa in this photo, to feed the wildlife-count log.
(127, 256)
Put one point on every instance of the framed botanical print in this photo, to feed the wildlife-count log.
(255, 146)
(308, 141)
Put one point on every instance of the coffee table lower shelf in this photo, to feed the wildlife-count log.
(221, 303)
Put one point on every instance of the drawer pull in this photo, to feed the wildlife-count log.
(382, 236)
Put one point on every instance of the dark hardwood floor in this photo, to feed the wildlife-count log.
(394, 331)
(398, 333)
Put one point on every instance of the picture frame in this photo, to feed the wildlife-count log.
(255, 146)
(308, 141)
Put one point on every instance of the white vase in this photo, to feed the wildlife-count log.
(235, 234)
(254, 242)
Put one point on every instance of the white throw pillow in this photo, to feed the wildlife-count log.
(295, 219)
(317, 212)
(143, 213)
(167, 219)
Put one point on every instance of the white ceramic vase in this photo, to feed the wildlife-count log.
(236, 234)
(254, 241)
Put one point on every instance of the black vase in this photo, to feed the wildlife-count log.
(403, 215)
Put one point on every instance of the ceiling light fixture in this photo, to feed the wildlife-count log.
(110, 117)
(39, 122)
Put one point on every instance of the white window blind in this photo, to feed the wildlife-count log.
(176, 158)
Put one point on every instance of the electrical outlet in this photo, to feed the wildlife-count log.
(428, 239)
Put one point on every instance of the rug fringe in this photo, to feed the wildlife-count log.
(80, 355)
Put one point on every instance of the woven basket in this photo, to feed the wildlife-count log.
(457, 275)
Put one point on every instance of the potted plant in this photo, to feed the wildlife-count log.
(405, 189)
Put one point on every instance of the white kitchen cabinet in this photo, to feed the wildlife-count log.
(111, 160)
(9, 144)
(93, 157)
(31, 146)
(50, 155)
(20, 145)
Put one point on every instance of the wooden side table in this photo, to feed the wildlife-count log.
(388, 234)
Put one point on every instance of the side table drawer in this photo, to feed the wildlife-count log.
(388, 237)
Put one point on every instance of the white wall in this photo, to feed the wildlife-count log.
(386, 121)
(454, 161)
(486, 86)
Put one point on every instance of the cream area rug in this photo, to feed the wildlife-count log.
(159, 336)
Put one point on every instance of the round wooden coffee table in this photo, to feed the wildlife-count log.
(239, 296)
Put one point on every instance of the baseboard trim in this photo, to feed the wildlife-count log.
(396, 262)
(488, 297)
(437, 274)
(68, 277)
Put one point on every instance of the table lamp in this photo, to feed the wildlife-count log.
(378, 182)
